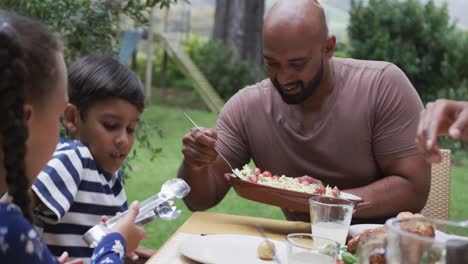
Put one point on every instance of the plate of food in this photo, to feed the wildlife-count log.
(282, 191)
(232, 249)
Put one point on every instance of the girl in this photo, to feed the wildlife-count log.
(32, 97)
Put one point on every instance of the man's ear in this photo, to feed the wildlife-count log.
(28, 112)
(71, 118)
(330, 48)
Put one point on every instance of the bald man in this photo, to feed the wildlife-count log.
(348, 123)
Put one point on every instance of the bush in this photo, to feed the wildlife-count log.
(89, 26)
(214, 60)
(418, 38)
(86, 26)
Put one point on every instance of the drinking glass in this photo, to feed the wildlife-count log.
(330, 217)
(307, 248)
(448, 243)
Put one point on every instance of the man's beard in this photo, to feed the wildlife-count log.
(304, 91)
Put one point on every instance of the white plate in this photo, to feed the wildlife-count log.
(228, 249)
(356, 229)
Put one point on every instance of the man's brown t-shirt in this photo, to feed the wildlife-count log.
(372, 114)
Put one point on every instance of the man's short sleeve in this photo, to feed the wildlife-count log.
(396, 115)
(232, 137)
(57, 184)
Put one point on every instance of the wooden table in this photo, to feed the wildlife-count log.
(215, 223)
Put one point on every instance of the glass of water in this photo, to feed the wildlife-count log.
(330, 217)
(307, 248)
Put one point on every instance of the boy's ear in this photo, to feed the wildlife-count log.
(71, 118)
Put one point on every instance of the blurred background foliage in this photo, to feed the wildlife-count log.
(86, 26)
(214, 60)
(419, 38)
(92, 26)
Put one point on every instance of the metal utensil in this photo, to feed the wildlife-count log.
(158, 206)
(219, 153)
(262, 232)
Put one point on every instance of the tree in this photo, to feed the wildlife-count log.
(238, 23)
(86, 26)
(419, 38)
(89, 26)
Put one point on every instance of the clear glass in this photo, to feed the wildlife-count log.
(306, 248)
(330, 217)
(449, 243)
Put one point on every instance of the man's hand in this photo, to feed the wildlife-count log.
(199, 147)
(310, 180)
(442, 117)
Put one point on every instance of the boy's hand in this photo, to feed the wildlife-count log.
(132, 233)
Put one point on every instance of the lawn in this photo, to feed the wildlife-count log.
(147, 177)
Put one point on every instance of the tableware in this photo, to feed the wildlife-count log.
(450, 244)
(356, 229)
(158, 206)
(330, 217)
(219, 153)
(305, 248)
(262, 232)
(292, 200)
(228, 249)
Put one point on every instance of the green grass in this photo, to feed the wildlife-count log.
(147, 177)
(459, 195)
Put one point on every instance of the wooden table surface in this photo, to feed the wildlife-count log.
(216, 223)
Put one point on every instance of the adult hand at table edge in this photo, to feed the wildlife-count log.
(441, 117)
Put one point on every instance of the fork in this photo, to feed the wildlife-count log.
(219, 153)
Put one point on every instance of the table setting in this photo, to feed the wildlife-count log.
(329, 237)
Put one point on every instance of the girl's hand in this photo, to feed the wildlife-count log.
(132, 233)
(63, 259)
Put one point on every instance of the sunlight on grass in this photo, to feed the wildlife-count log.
(147, 177)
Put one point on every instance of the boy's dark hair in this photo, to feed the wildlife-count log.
(94, 78)
(28, 70)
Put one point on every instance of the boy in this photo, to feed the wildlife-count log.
(81, 182)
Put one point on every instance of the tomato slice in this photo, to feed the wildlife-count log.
(321, 190)
(266, 174)
(253, 178)
(306, 183)
(257, 171)
(275, 177)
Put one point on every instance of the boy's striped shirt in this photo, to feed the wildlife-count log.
(75, 194)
